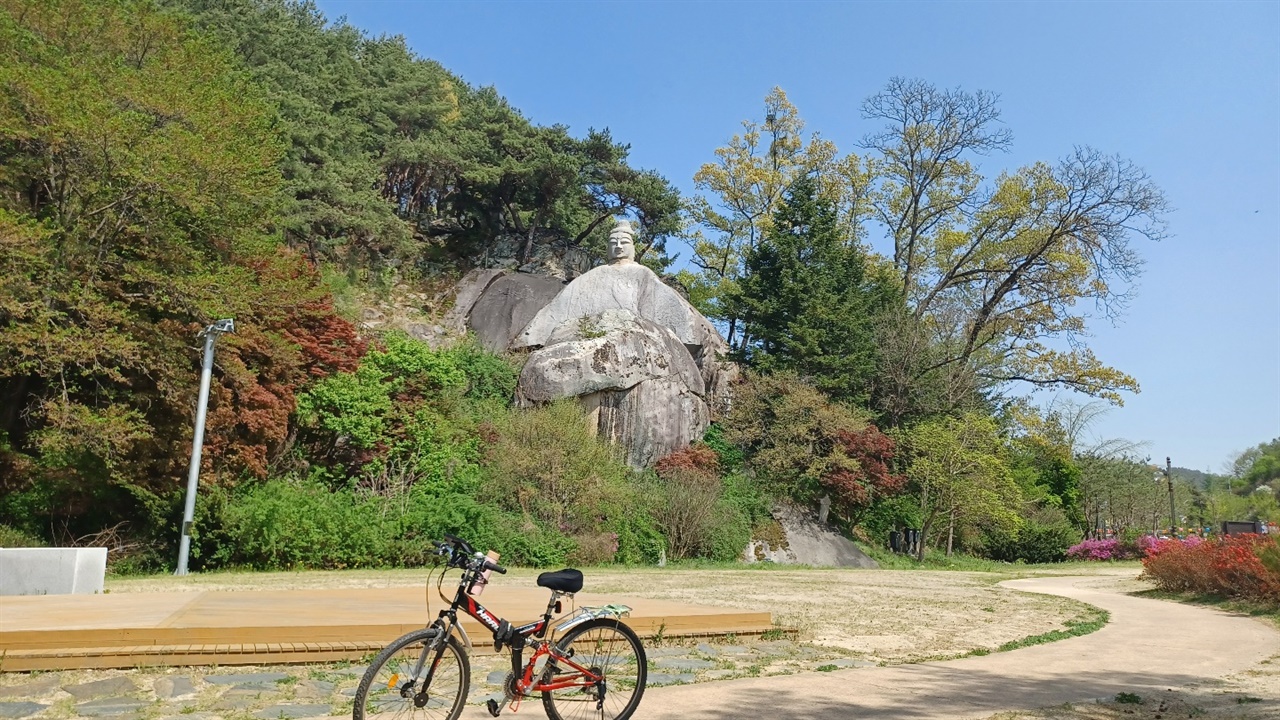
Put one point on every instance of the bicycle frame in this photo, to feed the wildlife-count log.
(532, 634)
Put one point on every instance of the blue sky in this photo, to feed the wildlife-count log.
(1188, 91)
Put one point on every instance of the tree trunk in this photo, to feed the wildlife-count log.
(924, 533)
(951, 531)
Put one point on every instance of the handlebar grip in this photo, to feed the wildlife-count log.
(495, 567)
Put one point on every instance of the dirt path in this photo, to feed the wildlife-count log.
(1148, 647)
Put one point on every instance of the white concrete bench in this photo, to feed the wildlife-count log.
(52, 571)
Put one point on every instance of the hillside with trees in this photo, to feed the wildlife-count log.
(165, 164)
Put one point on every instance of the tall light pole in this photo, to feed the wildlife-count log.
(1173, 519)
(211, 334)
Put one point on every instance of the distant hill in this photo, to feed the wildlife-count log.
(1199, 478)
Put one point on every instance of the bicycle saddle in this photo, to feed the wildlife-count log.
(567, 580)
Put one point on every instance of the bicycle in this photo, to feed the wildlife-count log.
(597, 668)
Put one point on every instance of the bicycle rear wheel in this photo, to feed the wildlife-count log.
(612, 649)
(389, 690)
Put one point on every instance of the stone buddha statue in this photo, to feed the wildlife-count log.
(623, 284)
(642, 360)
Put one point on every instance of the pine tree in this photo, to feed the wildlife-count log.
(807, 301)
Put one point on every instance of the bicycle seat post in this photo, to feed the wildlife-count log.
(551, 608)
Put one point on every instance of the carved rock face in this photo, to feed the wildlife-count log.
(635, 378)
(644, 363)
(632, 287)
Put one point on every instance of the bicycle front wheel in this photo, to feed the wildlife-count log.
(389, 688)
(611, 649)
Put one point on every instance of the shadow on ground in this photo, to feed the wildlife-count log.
(904, 693)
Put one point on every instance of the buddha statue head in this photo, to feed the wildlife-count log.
(622, 244)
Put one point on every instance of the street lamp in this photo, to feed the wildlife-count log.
(1168, 476)
(210, 334)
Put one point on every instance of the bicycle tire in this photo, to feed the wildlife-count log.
(623, 663)
(384, 672)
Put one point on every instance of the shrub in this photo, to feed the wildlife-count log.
(696, 459)
(545, 463)
(294, 523)
(11, 537)
(1039, 540)
(489, 377)
(1231, 566)
(805, 446)
(1109, 549)
(728, 455)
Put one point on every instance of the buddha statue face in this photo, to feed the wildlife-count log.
(622, 245)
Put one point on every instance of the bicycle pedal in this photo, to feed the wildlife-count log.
(494, 707)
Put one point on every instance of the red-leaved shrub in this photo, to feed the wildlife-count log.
(1230, 567)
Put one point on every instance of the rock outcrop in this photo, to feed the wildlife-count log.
(802, 540)
(508, 304)
(639, 385)
(646, 365)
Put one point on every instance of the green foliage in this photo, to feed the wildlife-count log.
(545, 465)
(350, 406)
(489, 378)
(296, 524)
(958, 470)
(787, 429)
(391, 156)
(12, 537)
(729, 456)
(806, 302)
(744, 187)
(1259, 466)
(893, 513)
(138, 166)
(800, 444)
(291, 523)
(1042, 538)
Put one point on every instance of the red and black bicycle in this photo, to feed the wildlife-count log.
(596, 669)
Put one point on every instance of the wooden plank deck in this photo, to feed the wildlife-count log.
(286, 626)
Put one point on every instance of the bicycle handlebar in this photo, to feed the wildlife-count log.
(458, 549)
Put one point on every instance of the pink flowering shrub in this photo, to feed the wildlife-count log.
(1109, 549)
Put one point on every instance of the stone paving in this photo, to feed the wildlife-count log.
(307, 691)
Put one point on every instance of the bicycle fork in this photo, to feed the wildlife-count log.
(434, 650)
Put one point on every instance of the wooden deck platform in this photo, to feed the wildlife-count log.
(285, 626)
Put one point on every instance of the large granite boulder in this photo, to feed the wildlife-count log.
(631, 287)
(634, 377)
(646, 365)
(465, 295)
(638, 290)
(506, 305)
(800, 538)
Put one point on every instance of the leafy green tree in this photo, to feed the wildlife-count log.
(742, 190)
(391, 157)
(1258, 466)
(800, 444)
(136, 166)
(958, 470)
(998, 271)
(806, 300)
